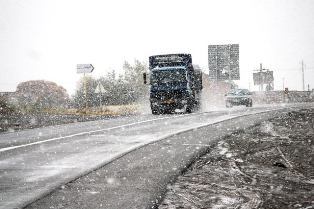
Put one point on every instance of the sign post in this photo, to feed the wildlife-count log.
(84, 68)
(100, 90)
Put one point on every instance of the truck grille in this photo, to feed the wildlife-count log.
(166, 95)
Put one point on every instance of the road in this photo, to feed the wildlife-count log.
(35, 162)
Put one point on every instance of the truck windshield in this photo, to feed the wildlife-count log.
(238, 92)
(168, 76)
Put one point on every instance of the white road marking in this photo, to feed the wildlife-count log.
(201, 145)
(88, 132)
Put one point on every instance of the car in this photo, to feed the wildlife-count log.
(238, 97)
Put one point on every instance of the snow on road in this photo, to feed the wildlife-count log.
(43, 165)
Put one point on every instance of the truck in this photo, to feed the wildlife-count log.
(175, 84)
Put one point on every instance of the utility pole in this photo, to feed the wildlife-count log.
(261, 69)
(85, 91)
(229, 67)
(303, 86)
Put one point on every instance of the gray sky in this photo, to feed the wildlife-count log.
(45, 39)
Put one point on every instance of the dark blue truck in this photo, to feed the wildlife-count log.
(175, 84)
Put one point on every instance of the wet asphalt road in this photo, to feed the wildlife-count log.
(34, 162)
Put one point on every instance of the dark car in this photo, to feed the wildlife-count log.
(239, 97)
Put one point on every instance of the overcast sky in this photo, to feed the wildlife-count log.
(45, 39)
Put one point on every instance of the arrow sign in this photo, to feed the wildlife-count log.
(100, 89)
(84, 68)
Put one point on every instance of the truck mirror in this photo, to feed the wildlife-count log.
(145, 78)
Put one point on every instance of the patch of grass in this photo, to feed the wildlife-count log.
(113, 110)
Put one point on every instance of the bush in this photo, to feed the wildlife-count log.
(5, 107)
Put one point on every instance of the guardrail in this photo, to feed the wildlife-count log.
(267, 97)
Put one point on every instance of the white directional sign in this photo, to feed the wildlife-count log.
(100, 89)
(84, 68)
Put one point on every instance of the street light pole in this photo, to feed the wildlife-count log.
(303, 85)
(261, 69)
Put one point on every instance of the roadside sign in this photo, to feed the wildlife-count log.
(223, 62)
(84, 68)
(100, 89)
(263, 77)
(286, 91)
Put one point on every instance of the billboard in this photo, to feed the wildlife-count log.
(263, 77)
(223, 62)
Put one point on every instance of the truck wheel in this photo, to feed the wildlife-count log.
(197, 106)
(249, 104)
(189, 107)
(155, 111)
